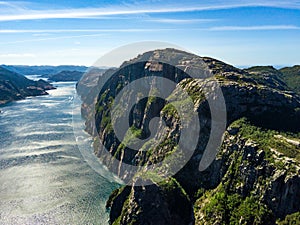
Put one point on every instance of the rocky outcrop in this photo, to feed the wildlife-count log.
(282, 192)
(14, 86)
(250, 168)
(155, 204)
(287, 76)
(242, 184)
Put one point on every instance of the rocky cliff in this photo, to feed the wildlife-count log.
(14, 86)
(255, 177)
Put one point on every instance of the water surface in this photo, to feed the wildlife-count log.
(43, 176)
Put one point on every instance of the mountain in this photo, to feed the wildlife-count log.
(14, 86)
(291, 75)
(255, 176)
(66, 76)
(43, 70)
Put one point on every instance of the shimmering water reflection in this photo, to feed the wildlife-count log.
(43, 177)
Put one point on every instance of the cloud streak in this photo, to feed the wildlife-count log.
(40, 31)
(104, 33)
(29, 14)
(254, 28)
(53, 38)
(13, 55)
(46, 32)
(182, 21)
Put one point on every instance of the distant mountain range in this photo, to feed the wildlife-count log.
(54, 73)
(65, 76)
(43, 70)
(14, 86)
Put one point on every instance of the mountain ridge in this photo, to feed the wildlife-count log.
(255, 177)
(43, 70)
(14, 86)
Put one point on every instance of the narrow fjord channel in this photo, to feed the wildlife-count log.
(43, 176)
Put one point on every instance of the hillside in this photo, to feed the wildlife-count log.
(255, 177)
(14, 86)
(66, 76)
(291, 75)
(43, 70)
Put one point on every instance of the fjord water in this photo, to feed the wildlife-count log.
(43, 176)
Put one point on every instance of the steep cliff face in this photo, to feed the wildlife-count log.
(14, 86)
(259, 178)
(160, 201)
(255, 176)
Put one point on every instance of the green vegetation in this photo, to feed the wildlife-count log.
(236, 188)
(126, 206)
(66, 76)
(170, 110)
(291, 75)
(129, 139)
(292, 219)
(263, 69)
(219, 205)
(102, 108)
(250, 211)
(14, 86)
(269, 139)
(192, 88)
(226, 204)
(266, 75)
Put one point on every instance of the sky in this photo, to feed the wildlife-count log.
(75, 32)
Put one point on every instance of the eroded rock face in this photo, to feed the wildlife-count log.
(243, 166)
(154, 204)
(282, 193)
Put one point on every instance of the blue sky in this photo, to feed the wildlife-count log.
(241, 33)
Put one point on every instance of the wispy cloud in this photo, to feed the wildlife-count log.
(12, 5)
(84, 13)
(47, 31)
(182, 21)
(253, 28)
(104, 33)
(53, 38)
(14, 55)
(29, 14)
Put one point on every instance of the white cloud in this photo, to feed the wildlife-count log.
(14, 55)
(12, 5)
(83, 13)
(53, 38)
(253, 28)
(189, 6)
(181, 21)
(39, 32)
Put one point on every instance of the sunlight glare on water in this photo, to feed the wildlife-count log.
(43, 177)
